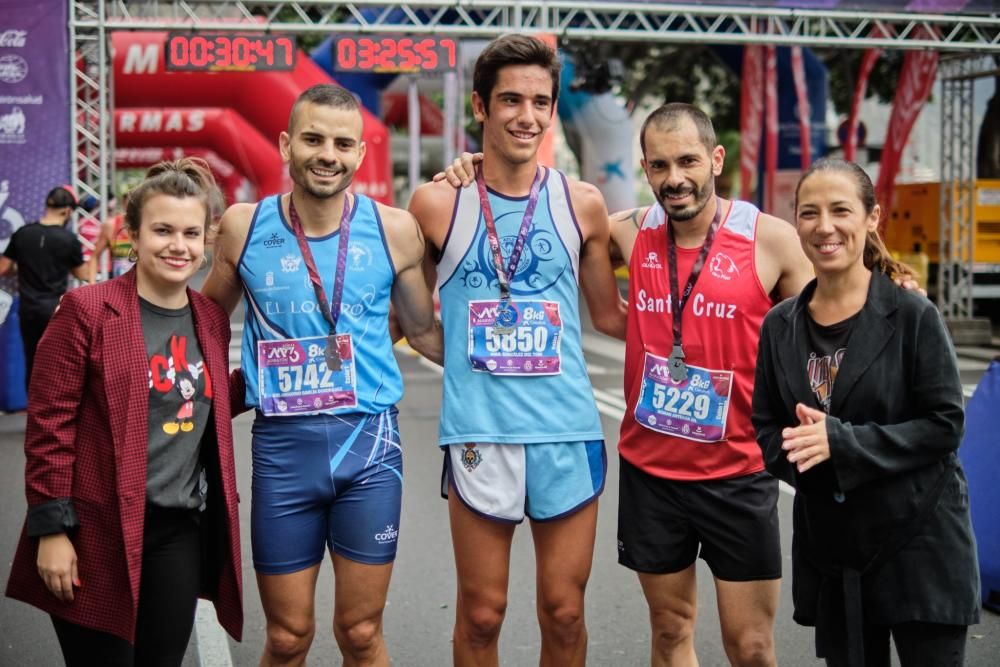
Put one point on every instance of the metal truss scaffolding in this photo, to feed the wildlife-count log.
(958, 182)
(90, 90)
(592, 19)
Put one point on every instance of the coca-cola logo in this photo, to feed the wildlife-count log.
(13, 38)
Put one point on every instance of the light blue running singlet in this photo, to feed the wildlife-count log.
(281, 303)
(527, 392)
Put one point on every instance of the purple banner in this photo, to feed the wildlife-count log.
(34, 144)
(34, 108)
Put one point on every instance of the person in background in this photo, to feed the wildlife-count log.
(858, 404)
(44, 253)
(129, 473)
(114, 238)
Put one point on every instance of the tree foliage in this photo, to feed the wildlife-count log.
(660, 73)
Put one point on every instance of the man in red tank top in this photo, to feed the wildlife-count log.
(703, 273)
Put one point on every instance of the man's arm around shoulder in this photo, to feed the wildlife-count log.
(781, 264)
(413, 306)
(608, 310)
(223, 284)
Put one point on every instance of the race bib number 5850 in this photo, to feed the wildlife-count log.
(531, 347)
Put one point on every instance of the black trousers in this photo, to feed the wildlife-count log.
(918, 645)
(32, 327)
(168, 594)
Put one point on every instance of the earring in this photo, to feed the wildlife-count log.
(204, 261)
(133, 256)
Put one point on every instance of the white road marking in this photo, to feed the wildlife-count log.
(213, 647)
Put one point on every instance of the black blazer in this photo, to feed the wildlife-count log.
(891, 506)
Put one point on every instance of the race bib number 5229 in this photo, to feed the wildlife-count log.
(694, 408)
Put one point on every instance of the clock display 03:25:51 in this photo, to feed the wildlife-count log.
(395, 53)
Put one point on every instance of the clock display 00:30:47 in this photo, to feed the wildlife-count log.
(197, 52)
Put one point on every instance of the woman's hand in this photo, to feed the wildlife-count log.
(461, 171)
(806, 444)
(57, 565)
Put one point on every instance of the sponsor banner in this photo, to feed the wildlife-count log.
(916, 79)
(34, 146)
(34, 109)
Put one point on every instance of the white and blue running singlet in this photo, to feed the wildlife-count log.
(281, 306)
(528, 384)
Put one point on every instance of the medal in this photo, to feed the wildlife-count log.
(675, 365)
(329, 309)
(506, 314)
(334, 362)
(506, 317)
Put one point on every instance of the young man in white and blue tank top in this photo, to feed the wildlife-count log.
(519, 426)
(316, 269)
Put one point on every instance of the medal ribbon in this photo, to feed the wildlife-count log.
(677, 302)
(331, 308)
(504, 275)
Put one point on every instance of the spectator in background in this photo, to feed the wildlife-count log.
(45, 252)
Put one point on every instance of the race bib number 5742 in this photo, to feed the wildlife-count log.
(295, 380)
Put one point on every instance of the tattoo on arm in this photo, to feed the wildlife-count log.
(632, 215)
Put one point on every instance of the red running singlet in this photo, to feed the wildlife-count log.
(720, 328)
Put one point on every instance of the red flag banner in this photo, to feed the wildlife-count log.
(802, 97)
(751, 116)
(915, 82)
(771, 126)
(867, 65)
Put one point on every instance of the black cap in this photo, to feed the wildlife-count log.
(61, 197)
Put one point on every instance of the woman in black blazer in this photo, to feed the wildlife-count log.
(858, 404)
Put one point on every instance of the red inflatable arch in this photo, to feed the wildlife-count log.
(221, 130)
(262, 98)
(230, 180)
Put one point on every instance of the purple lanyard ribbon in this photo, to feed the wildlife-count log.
(331, 309)
(504, 275)
(677, 302)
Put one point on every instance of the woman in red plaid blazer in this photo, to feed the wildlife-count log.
(130, 481)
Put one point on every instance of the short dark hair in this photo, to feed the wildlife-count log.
(669, 117)
(61, 197)
(513, 50)
(324, 94)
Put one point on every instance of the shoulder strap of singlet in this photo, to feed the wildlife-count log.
(461, 233)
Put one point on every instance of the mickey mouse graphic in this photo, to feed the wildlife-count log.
(186, 386)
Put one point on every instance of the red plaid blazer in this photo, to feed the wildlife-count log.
(87, 439)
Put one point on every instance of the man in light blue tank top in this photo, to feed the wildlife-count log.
(316, 268)
(519, 426)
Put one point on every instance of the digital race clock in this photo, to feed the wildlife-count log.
(394, 53)
(200, 52)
